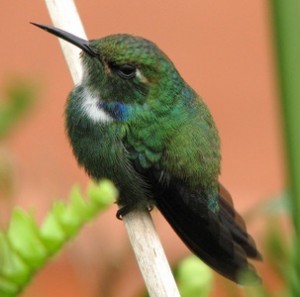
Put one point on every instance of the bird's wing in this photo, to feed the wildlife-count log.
(207, 223)
(218, 238)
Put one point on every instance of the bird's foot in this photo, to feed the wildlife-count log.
(124, 210)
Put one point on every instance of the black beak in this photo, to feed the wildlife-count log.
(81, 43)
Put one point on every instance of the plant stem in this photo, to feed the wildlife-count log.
(286, 19)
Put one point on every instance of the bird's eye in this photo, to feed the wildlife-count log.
(126, 71)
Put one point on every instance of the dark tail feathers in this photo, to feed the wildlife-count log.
(219, 239)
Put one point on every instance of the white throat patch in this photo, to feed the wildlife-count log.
(91, 107)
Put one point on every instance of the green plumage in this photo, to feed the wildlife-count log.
(134, 120)
(168, 125)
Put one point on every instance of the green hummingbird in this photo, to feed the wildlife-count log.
(134, 120)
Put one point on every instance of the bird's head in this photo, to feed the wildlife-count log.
(123, 68)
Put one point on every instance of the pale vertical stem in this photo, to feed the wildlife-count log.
(141, 231)
(150, 255)
(64, 15)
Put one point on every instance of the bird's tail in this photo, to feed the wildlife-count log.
(220, 239)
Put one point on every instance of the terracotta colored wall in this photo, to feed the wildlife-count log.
(222, 48)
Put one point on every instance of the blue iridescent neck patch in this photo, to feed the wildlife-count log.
(116, 110)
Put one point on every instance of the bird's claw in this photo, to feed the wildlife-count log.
(124, 210)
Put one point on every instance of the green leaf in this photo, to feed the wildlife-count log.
(195, 278)
(51, 232)
(78, 206)
(26, 247)
(103, 195)
(23, 236)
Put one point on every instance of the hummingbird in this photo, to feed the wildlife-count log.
(133, 119)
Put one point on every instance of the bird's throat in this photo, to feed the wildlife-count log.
(92, 107)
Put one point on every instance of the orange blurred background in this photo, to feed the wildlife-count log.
(223, 49)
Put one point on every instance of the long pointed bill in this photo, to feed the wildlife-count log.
(81, 43)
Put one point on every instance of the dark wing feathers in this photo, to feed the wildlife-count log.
(240, 235)
(219, 239)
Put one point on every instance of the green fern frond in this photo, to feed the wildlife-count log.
(26, 247)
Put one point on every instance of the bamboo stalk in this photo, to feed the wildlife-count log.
(141, 231)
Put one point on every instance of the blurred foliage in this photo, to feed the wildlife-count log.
(25, 247)
(16, 102)
(286, 29)
(18, 99)
(6, 175)
(194, 278)
(277, 248)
